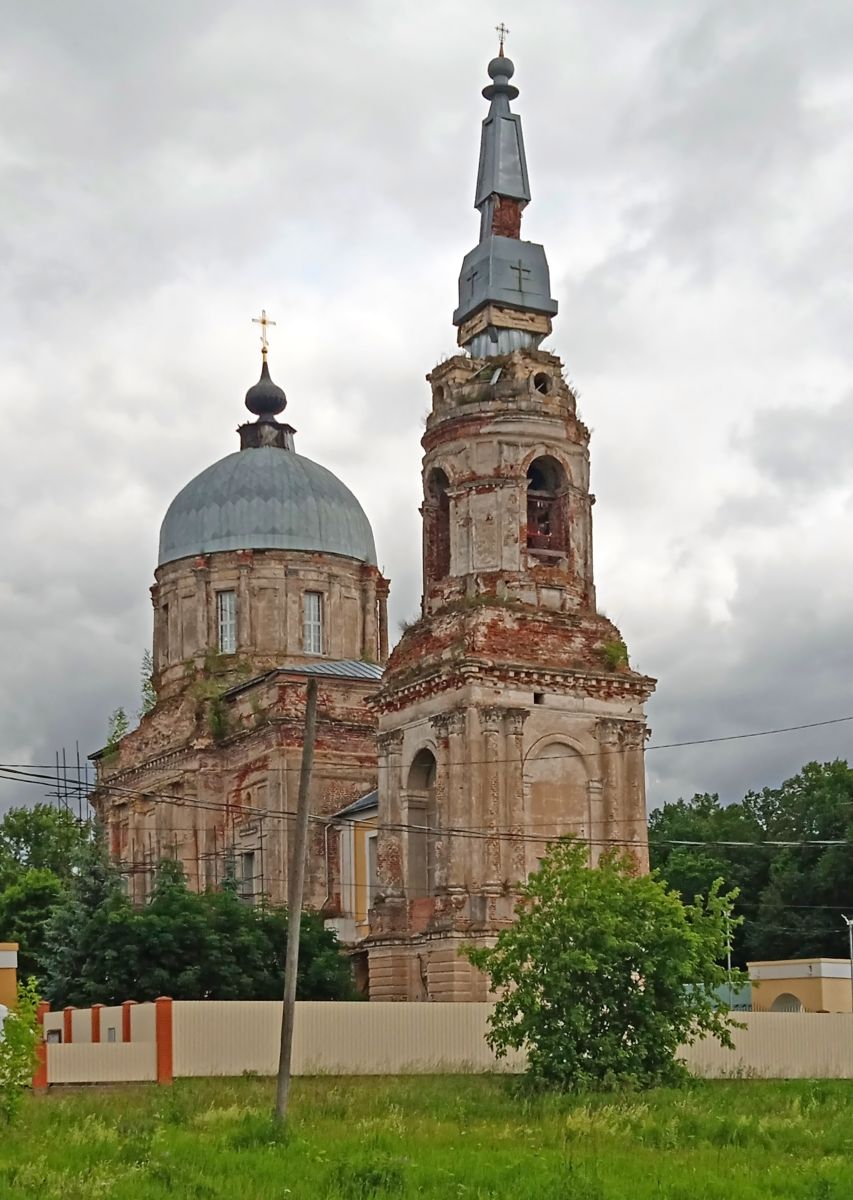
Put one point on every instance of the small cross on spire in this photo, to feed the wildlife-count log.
(264, 322)
(502, 32)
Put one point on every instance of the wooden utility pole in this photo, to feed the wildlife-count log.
(295, 888)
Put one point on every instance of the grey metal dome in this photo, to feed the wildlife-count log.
(261, 499)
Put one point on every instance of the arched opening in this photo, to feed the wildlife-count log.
(421, 821)
(547, 521)
(437, 526)
(556, 798)
(787, 1003)
(542, 383)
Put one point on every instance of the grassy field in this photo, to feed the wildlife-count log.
(478, 1138)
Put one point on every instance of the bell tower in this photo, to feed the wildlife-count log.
(509, 714)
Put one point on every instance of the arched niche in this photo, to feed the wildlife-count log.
(556, 797)
(420, 817)
(787, 1002)
(437, 525)
(547, 509)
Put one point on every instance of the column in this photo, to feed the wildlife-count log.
(391, 842)
(368, 618)
(458, 809)
(382, 589)
(636, 828)
(244, 607)
(490, 723)
(609, 733)
(203, 631)
(513, 818)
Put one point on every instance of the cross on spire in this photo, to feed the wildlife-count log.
(502, 32)
(264, 322)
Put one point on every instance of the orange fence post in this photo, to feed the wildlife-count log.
(163, 1030)
(40, 1073)
(125, 1020)
(66, 1023)
(96, 1022)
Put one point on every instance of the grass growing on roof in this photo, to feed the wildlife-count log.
(483, 1137)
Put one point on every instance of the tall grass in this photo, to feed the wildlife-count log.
(482, 1138)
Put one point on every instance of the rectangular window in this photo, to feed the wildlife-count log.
(226, 616)
(312, 623)
(247, 875)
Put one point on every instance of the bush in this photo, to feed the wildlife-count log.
(18, 1051)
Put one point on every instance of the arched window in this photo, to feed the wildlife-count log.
(421, 819)
(437, 526)
(547, 521)
(786, 1002)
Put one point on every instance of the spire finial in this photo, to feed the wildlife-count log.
(503, 33)
(264, 322)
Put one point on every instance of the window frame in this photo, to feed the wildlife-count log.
(226, 622)
(313, 627)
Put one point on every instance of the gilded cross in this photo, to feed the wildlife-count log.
(264, 322)
(502, 32)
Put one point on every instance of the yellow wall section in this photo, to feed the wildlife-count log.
(9, 974)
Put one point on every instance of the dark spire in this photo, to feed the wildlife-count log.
(505, 298)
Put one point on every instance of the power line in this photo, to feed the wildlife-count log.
(729, 737)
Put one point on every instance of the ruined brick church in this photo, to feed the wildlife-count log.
(507, 716)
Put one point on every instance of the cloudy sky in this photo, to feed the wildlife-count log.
(170, 168)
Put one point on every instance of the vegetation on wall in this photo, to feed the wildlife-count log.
(148, 695)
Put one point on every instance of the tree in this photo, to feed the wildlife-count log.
(117, 727)
(184, 944)
(25, 909)
(20, 1037)
(39, 838)
(146, 680)
(605, 972)
(791, 897)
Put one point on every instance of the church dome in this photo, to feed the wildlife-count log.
(265, 498)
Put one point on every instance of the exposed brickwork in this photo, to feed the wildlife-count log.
(506, 221)
(512, 683)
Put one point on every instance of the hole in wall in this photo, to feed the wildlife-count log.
(542, 383)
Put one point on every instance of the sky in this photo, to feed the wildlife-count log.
(168, 169)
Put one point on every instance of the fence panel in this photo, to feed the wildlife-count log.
(780, 1046)
(99, 1062)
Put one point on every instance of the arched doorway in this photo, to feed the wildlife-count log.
(420, 819)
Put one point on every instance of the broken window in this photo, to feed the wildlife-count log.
(437, 526)
(547, 525)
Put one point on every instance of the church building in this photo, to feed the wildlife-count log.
(507, 715)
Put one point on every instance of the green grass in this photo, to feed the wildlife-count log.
(481, 1138)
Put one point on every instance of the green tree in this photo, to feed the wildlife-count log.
(117, 727)
(25, 909)
(791, 897)
(88, 947)
(146, 680)
(184, 944)
(605, 972)
(39, 838)
(20, 1037)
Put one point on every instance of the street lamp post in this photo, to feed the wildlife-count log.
(849, 922)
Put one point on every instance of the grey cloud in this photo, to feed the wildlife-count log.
(167, 170)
